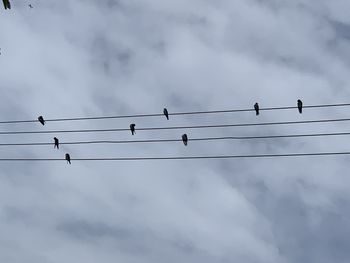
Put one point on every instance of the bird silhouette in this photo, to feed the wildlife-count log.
(185, 139)
(132, 128)
(165, 111)
(68, 158)
(30, 5)
(41, 120)
(300, 106)
(256, 107)
(7, 4)
(57, 143)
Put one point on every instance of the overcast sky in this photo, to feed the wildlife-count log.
(108, 57)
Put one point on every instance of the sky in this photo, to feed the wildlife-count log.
(113, 57)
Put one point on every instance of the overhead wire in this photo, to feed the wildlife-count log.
(177, 127)
(179, 140)
(180, 157)
(175, 113)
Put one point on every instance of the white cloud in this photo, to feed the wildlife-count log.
(82, 58)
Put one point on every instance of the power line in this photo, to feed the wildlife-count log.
(177, 127)
(180, 140)
(175, 113)
(180, 157)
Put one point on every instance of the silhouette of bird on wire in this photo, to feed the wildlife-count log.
(68, 158)
(185, 139)
(132, 128)
(256, 107)
(7, 4)
(57, 143)
(166, 113)
(41, 120)
(300, 106)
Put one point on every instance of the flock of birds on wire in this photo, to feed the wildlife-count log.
(184, 137)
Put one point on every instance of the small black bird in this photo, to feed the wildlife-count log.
(165, 111)
(68, 158)
(256, 107)
(300, 106)
(57, 143)
(132, 128)
(184, 139)
(41, 120)
(7, 4)
(30, 5)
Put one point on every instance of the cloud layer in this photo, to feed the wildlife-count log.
(87, 58)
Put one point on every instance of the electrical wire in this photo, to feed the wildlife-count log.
(180, 157)
(176, 113)
(177, 127)
(179, 140)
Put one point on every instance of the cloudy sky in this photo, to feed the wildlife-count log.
(108, 57)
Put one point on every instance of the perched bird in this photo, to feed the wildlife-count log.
(165, 111)
(132, 128)
(57, 143)
(300, 106)
(7, 4)
(256, 107)
(68, 158)
(30, 5)
(184, 139)
(41, 120)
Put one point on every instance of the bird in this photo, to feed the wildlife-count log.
(300, 106)
(57, 143)
(41, 120)
(7, 4)
(30, 5)
(132, 128)
(68, 158)
(184, 139)
(256, 107)
(165, 111)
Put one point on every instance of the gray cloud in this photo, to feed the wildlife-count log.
(82, 58)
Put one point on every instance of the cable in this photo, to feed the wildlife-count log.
(180, 157)
(176, 113)
(179, 140)
(176, 127)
